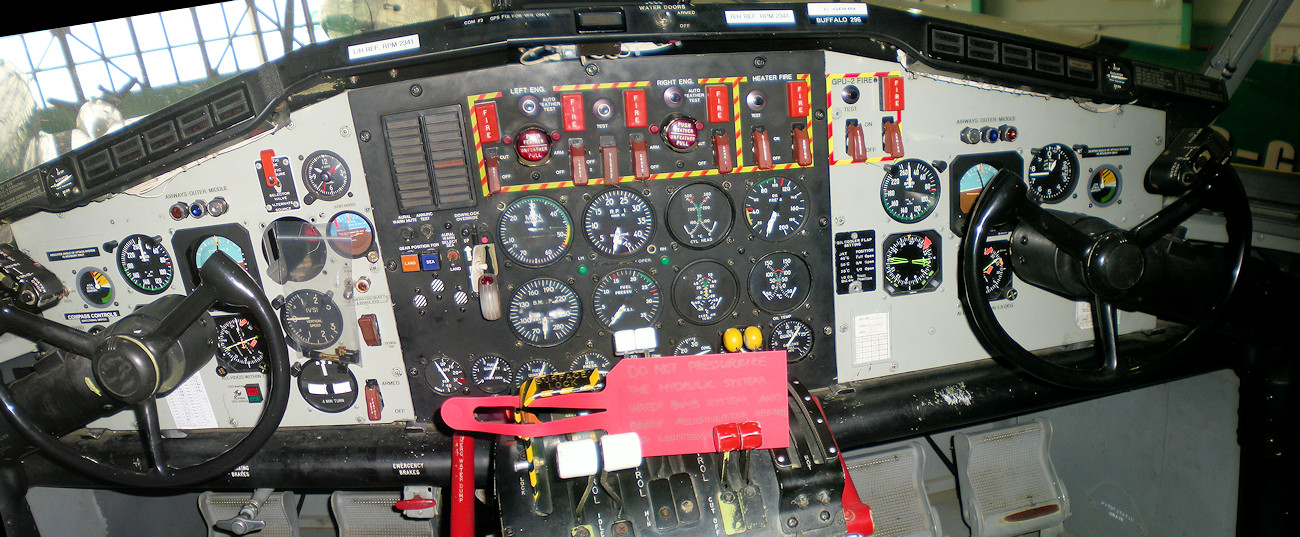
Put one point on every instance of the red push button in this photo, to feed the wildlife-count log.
(796, 98)
(726, 437)
(634, 114)
(719, 107)
(891, 93)
(571, 105)
(485, 115)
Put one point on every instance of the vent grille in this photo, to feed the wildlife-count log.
(427, 152)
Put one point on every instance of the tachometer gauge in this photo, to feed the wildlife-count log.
(545, 312)
(626, 298)
(492, 373)
(239, 345)
(217, 243)
(444, 376)
(911, 262)
(326, 176)
(591, 360)
(95, 287)
(699, 215)
(311, 319)
(532, 369)
(618, 222)
(793, 336)
(995, 272)
(327, 386)
(779, 282)
(775, 208)
(1053, 172)
(350, 234)
(535, 231)
(692, 345)
(705, 292)
(145, 264)
(910, 191)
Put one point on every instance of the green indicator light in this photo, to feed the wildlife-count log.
(583, 270)
(665, 261)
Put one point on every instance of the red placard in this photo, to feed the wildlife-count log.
(634, 114)
(485, 115)
(571, 104)
(796, 98)
(719, 105)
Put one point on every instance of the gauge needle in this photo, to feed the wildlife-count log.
(790, 342)
(444, 375)
(618, 314)
(898, 261)
(618, 239)
(771, 223)
(244, 343)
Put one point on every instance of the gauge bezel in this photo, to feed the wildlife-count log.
(807, 329)
(350, 398)
(749, 201)
(505, 238)
(1070, 177)
(723, 313)
(890, 192)
(896, 288)
(311, 187)
(643, 241)
(238, 365)
(160, 251)
(353, 252)
(507, 372)
(328, 304)
(655, 301)
(671, 224)
(81, 288)
(571, 299)
(451, 365)
(957, 170)
(767, 304)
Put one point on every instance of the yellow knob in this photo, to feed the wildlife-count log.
(732, 340)
(753, 338)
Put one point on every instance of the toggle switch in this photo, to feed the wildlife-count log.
(762, 148)
(640, 157)
(893, 138)
(578, 161)
(722, 151)
(609, 159)
(857, 141)
(491, 167)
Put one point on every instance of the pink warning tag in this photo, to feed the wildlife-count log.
(673, 403)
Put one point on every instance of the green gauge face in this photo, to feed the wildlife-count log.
(911, 263)
(910, 191)
(145, 264)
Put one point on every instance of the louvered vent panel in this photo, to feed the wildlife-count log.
(427, 152)
(445, 145)
(410, 170)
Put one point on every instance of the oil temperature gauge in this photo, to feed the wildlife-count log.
(444, 376)
(793, 336)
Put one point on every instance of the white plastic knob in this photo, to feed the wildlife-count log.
(620, 451)
(576, 458)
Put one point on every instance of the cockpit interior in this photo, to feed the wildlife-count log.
(720, 269)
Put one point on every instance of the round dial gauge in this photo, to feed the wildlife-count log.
(910, 191)
(326, 176)
(327, 386)
(911, 262)
(692, 345)
(776, 207)
(311, 319)
(626, 298)
(95, 287)
(793, 336)
(145, 264)
(492, 373)
(350, 234)
(995, 272)
(444, 376)
(535, 231)
(216, 243)
(239, 344)
(1053, 172)
(532, 369)
(618, 222)
(705, 292)
(699, 215)
(544, 312)
(779, 282)
(591, 360)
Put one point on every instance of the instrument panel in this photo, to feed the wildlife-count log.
(458, 234)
